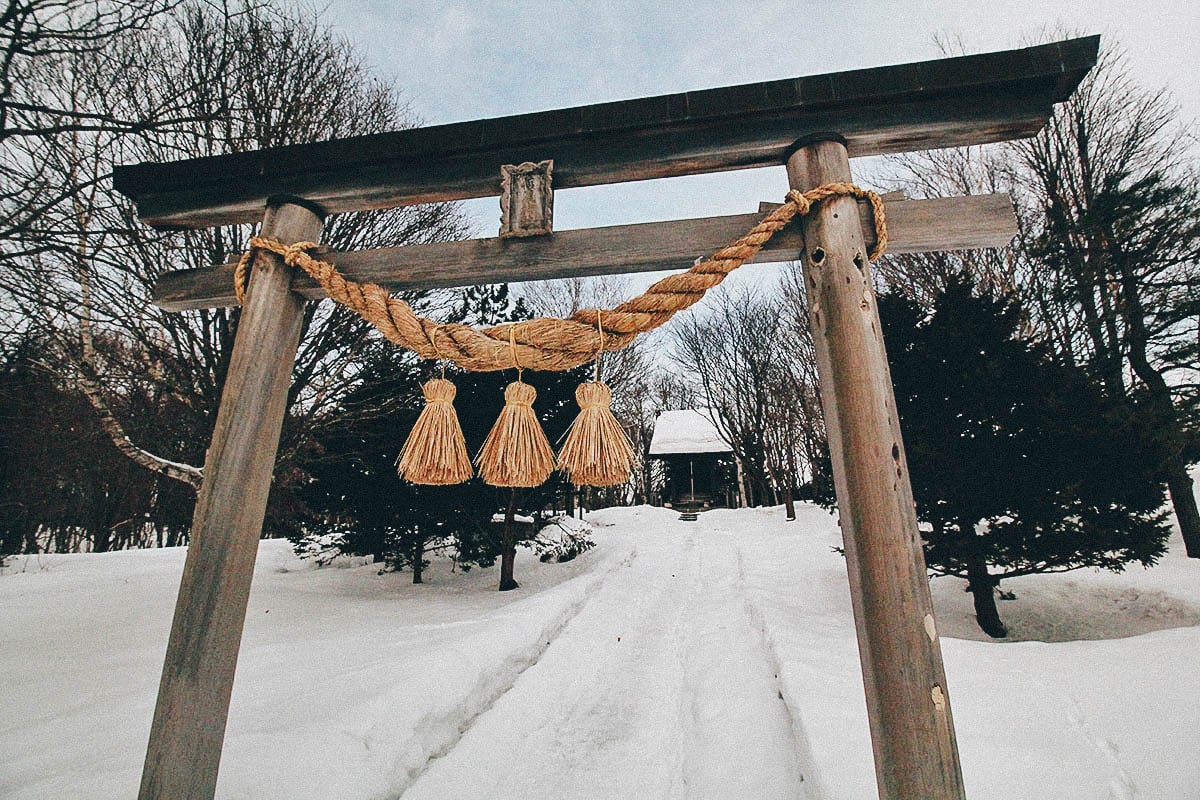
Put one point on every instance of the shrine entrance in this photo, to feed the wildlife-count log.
(812, 126)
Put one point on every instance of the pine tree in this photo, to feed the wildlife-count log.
(63, 485)
(354, 490)
(1019, 464)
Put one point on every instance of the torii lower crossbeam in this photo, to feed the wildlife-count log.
(914, 226)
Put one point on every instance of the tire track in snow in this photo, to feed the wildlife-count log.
(738, 702)
(813, 788)
(658, 688)
(597, 716)
(438, 735)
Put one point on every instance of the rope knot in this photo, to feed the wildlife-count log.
(289, 252)
(292, 252)
(438, 390)
(593, 395)
(802, 203)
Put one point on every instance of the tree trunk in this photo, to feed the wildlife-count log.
(508, 547)
(648, 477)
(1179, 484)
(982, 587)
(743, 499)
(791, 480)
(418, 554)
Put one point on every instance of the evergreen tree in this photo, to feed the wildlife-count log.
(1106, 266)
(354, 491)
(1018, 463)
(63, 485)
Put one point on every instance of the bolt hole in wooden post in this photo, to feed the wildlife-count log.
(818, 256)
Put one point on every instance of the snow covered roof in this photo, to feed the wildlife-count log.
(687, 431)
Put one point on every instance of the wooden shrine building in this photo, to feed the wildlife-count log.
(808, 128)
(697, 461)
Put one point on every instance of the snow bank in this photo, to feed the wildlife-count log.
(349, 682)
(1076, 719)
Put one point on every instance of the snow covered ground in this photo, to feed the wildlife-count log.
(714, 659)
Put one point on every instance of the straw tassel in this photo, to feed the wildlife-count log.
(597, 452)
(436, 453)
(516, 452)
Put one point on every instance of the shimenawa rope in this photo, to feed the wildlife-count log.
(552, 343)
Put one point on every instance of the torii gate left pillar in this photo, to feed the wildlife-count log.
(945, 103)
(184, 753)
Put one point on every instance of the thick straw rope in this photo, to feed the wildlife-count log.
(552, 343)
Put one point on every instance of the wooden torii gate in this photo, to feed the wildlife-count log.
(812, 125)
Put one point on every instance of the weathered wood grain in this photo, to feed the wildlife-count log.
(916, 756)
(942, 103)
(954, 223)
(193, 697)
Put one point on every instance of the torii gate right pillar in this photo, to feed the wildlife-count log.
(916, 756)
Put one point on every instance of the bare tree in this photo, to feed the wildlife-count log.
(741, 354)
(34, 34)
(259, 78)
(1003, 271)
(804, 414)
(1106, 264)
(1119, 203)
(43, 46)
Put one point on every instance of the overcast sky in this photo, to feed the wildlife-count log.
(455, 60)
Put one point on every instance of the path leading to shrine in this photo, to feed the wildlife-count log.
(660, 687)
(714, 659)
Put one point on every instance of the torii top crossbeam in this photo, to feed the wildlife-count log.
(947, 102)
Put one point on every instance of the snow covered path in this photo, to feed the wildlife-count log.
(659, 687)
(707, 660)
